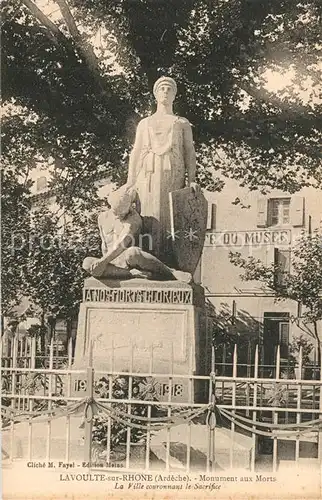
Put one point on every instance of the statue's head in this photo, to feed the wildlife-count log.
(123, 200)
(165, 90)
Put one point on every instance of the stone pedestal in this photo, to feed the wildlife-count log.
(148, 327)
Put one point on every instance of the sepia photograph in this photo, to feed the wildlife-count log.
(161, 249)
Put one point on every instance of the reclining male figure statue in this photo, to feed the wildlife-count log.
(120, 228)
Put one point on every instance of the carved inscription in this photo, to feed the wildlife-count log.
(138, 296)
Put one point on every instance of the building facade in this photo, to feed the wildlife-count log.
(267, 228)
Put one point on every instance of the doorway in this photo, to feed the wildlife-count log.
(276, 332)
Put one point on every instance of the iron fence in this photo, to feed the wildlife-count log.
(128, 420)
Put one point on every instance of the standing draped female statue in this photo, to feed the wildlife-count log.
(162, 160)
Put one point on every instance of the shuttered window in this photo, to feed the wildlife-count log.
(281, 211)
(282, 263)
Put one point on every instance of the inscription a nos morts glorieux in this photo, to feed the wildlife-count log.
(138, 296)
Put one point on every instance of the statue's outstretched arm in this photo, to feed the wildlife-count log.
(189, 152)
(135, 155)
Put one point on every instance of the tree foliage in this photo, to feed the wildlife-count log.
(42, 252)
(15, 226)
(87, 97)
(53, 273)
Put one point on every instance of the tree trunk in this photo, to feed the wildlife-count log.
(42, 334)
(85, 49)
(69, 333)
(2, 325)
(42, 18)
(52, 327)
(318, 338)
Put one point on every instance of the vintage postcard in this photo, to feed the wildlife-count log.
(161, 223)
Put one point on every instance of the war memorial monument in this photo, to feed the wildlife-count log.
(141, 310)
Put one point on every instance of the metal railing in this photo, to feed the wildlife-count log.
(128, 420)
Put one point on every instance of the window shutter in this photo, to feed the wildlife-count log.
(211, 218)
(284, 330)
(282, 260)
(262, 212)
(284, 333)
(297, 211)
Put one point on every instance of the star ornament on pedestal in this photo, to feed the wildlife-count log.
(191, 235)
(173, 235)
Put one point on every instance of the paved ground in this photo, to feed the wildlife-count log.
(37, 435)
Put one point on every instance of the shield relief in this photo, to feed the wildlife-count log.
(188, 216)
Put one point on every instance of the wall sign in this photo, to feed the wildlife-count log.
(248, 238)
